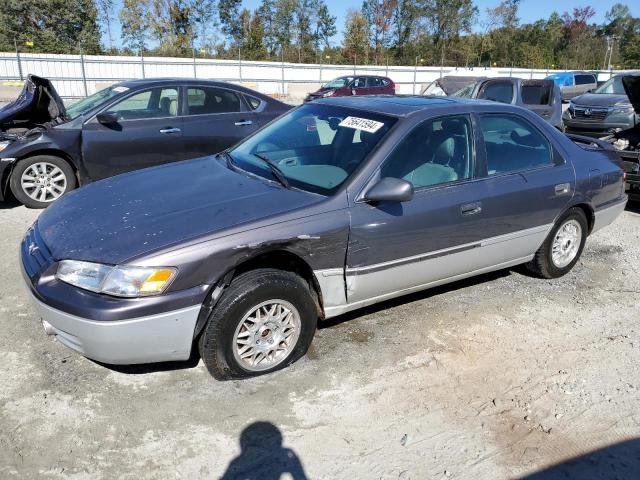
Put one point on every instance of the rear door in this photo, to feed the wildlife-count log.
(375, 86)
(215, 119)
(148, 132)
(526, 185)
(537, 96)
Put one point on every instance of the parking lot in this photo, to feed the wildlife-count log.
(494, 377)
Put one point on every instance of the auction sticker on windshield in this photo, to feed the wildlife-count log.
(365, 124)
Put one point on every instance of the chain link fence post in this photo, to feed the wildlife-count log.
(15, 42)
(240, 64)
(282, 68)
(84, 75)
(142, 62)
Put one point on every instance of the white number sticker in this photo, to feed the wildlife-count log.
(370, 126)
(120, 89)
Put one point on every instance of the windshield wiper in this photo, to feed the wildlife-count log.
(274, 169)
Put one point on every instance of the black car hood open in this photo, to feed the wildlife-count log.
(123, 217)
(631, 85)
(37, 104)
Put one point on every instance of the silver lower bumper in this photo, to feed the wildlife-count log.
(607, 215)
(156, 338)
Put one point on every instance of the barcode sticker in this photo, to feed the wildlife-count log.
(365, 124)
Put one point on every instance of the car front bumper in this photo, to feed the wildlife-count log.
(154, 338)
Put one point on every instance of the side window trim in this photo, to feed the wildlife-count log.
(473, 160)
(136, 92)
(552, 163)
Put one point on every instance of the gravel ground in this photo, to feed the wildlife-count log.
(500, 376)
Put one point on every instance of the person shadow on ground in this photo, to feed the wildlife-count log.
(263, 457)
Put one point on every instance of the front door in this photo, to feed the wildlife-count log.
(148, 132)
(216, 119)
(397, 247)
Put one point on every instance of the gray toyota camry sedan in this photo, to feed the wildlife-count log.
(338, 204)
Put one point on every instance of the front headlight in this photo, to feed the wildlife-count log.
(4, 145)
(622, 108)
(121, 281)
(328, 93)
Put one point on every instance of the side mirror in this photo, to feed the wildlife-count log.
(107, 118)
(353, 91)
(390, 189)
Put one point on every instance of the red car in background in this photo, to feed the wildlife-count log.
(354, 85)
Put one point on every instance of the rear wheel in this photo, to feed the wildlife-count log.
(38, 181)
(264, 321)
(563, 247)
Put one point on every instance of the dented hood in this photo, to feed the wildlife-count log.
(631, 85)
(37, 104)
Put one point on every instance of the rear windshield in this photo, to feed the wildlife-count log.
(536, 94)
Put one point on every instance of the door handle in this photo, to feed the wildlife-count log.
(471, 208)
(170, 130)
(243, 122)
(563, 188)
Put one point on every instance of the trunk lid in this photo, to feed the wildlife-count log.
(631, 85)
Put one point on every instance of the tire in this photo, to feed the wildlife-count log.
(568, 236)
(54, 174)
(228, 325)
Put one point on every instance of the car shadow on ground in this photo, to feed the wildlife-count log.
(633, 206)
(263, 456)
(619, 461)
(9, 203)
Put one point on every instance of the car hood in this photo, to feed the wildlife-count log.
(37, 104)
(124, 217)
(599, 99)
(631, 85)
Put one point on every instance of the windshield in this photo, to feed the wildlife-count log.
(435, 89)
(315, 147)
(83, 106)
(338, 82)
(465, 92)
(613, 85)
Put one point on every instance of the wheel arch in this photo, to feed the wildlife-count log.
(589, 213)
(279, 259)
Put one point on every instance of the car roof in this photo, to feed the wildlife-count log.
(403, 105)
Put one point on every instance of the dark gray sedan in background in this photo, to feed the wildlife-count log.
(47, 149)
(338, 204)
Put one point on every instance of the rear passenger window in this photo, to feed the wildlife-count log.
(536, 94)
(436, 152)
(253, 102)
(359, 83)
(513, 144)
(373, 82)
(585, 79)
(498, 92)
(205, 100)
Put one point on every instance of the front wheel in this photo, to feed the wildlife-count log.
(38, 181)
(264, 321)
(563, 247)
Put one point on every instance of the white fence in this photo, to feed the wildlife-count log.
(76, 76)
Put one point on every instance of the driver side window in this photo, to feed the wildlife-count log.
(436, 152)
(154, 103)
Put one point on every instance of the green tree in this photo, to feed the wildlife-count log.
(56, 26)
(230, 21)
(134, 24)
(355, 44)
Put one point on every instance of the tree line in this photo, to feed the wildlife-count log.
(394, 32)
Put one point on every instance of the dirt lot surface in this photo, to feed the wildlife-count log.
(501, 376)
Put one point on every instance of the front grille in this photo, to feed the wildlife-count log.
(590, 114)
(35, 254)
